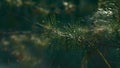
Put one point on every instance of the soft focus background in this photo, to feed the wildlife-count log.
(59, 34)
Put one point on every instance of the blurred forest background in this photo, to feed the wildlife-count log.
(59, 34)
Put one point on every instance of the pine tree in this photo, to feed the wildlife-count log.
(39, 34)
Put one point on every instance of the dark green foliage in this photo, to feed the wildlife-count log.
(59, 34)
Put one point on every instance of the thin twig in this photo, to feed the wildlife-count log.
(84, 61)
(108, 64)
